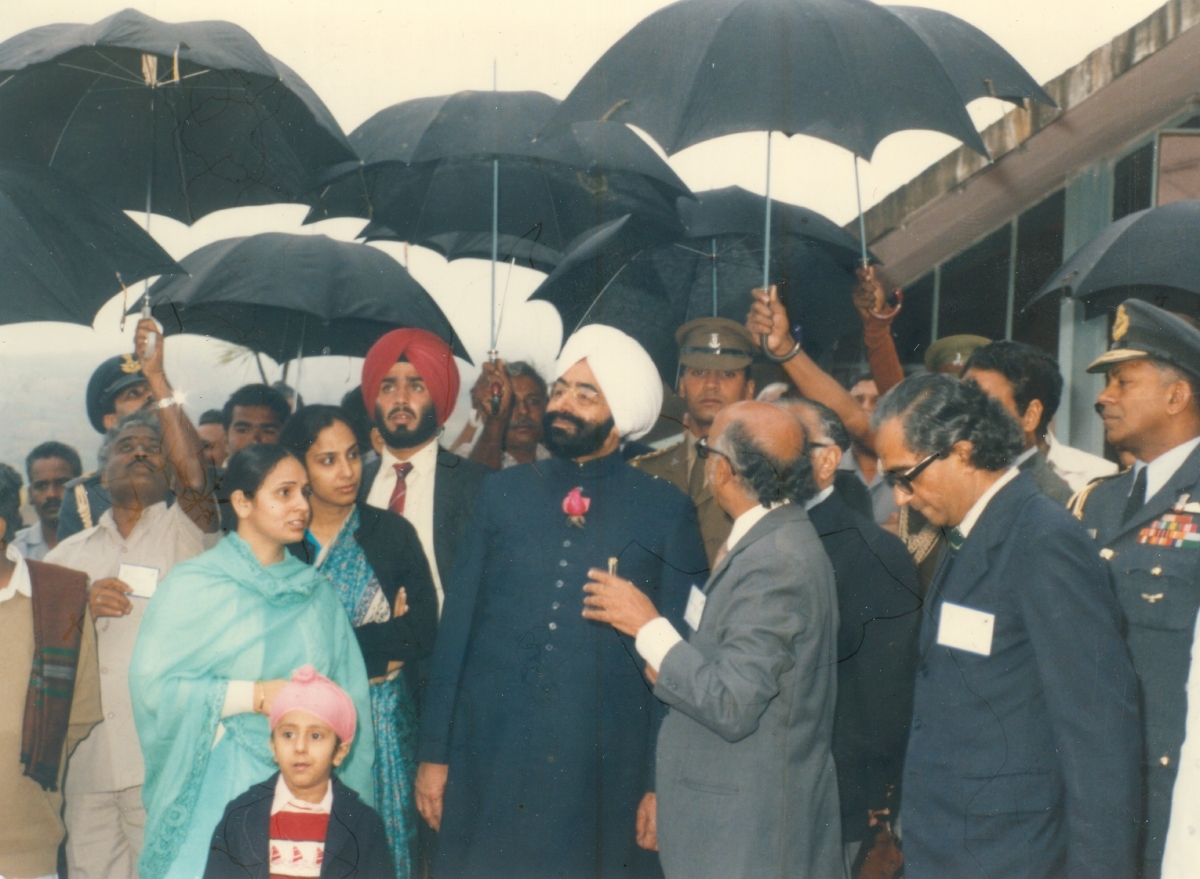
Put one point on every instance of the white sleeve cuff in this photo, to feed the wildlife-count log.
(239, 699)
(655, 640)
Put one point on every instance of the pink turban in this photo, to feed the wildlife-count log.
(315, 694)
(428, 354)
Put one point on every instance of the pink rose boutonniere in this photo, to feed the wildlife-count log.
(575, 505)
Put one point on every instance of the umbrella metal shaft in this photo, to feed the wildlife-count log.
(862, 222)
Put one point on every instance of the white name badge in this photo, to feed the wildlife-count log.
(965, 628)
(141, 579)
(695, 608)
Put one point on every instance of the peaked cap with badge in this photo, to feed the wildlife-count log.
(715, 343)
(1153, 554)
(951, 353)
(110, 378)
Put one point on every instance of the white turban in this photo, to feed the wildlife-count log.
(627, 376)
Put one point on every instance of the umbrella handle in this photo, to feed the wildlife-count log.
(772, 356)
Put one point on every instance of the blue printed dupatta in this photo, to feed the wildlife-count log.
(217, 618)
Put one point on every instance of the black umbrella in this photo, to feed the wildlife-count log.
(846, 71)
(63, 252)
(1151, 255)
(978, 66)
(525, 252)
(292, 296)
(184, 119)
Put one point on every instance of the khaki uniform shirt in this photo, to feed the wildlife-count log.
(681, 466)
(110, 759)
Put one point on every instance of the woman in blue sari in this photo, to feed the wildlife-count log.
(220, 638)
(375, 562)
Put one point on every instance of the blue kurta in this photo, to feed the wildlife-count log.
(545, 718)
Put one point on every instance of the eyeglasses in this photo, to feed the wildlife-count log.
(585, 395)
(904, 481)
(703, 450)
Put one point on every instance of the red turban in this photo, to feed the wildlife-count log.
(428, 354)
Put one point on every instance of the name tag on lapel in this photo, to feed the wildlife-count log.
(965, 628)
(695, 608)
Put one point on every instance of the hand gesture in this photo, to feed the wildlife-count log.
(152, 366)
(490, 378)
(400, 608)
(617, 602)
(107, 598)
(431, 791)
(769, 318)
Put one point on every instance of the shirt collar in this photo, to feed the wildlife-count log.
(149, 515)
(34, 536)
(976, 511)
(422, 462)
(743, 523)
(284, 801)
(1161, 469)
(819, 498)
(1024, 456)
(19, 582)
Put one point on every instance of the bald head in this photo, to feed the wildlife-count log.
(764, 446)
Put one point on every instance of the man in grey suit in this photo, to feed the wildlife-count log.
(744, 767)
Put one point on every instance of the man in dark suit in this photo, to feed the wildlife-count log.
(1025, 380)
(409, 386)
(1023, 753)
(879, 605)
(1147, 521)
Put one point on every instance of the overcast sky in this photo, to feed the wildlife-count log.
(363, 55)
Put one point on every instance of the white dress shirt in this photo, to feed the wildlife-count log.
(656, 638)
(110, 759)
(1074, 466)
(31, 542)
(819, 498)
(418, 499)
(980, 505)
(19, 581)
(1161, 469)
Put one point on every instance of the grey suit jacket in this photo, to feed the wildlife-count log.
(746, 781)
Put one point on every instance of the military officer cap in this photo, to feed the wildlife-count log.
(1145, 330)
(951, 353)
(110, 378)
(715, 343)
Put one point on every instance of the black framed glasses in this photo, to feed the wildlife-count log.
(703, 450)
(904, 481)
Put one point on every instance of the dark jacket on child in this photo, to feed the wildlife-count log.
(355, 844)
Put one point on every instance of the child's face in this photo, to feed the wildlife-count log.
(306, 749)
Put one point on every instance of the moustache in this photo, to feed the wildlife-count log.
(52, 506)
(578, 422)
(527, 423)
(402, 408)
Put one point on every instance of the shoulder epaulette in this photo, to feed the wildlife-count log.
(1079, 499)
(657, 453)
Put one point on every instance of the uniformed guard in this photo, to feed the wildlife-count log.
(1147, 523)
(951, 353)
(116, 389)
(714, 371)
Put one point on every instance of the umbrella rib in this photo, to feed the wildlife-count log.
(63, 132)
(102, 73)
(117, 64)
(603, 290)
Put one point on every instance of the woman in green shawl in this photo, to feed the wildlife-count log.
(220, 638)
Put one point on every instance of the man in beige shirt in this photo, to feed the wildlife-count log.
(132, 547)
(30, 827)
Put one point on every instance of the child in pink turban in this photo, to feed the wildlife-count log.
(292, 823)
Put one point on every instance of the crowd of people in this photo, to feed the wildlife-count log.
(831, 629)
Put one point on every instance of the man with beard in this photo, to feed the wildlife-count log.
(538, 730)
(49, 467)
(410, 385)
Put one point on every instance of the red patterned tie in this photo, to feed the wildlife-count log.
(396, 504)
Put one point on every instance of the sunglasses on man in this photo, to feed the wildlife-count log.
(904, 481)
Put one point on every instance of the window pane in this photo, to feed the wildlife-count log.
(1039, 254)
(1132, 178)
(974, 289)
(915, 321)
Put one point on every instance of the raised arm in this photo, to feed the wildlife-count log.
(769, 318)
(182, 446)
(489, 446)
(870, 301)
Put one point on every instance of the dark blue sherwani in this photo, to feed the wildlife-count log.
(544, 717)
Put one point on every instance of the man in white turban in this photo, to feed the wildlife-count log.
(538, 730)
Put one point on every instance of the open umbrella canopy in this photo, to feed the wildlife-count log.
(296, 296)
(846, 71)
(526, 252)
(63, 252)
(978, 65)
(1150, 254)
(196, 113)
(428, 170)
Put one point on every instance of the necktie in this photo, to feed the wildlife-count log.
(396, 504)
(1137, 497)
